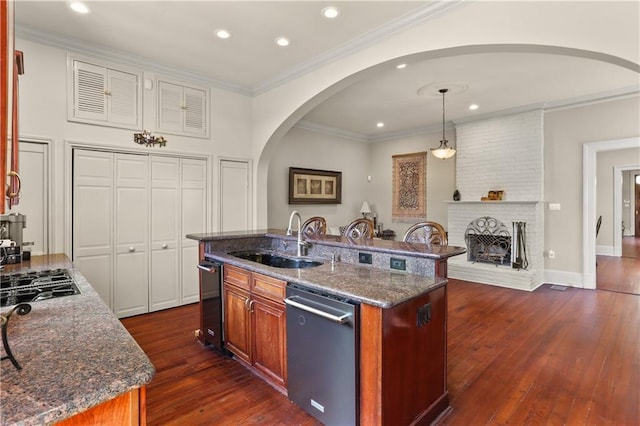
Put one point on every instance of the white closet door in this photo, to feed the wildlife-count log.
(193, 221)
(34, 198)
(235, 202)
(131, 236)
(164, 288)
(93, 219)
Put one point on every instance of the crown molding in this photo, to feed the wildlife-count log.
(76, 46)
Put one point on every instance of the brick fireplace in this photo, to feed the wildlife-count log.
(502, 153)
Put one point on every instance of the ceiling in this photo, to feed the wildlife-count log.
(178, 36)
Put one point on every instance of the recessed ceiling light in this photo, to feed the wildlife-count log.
(401, 66)
(473, 107)
(282, 41)
(330, 12)
(380, 124)
(78, 7)
(222, 33)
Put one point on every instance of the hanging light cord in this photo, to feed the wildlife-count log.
(443, 91)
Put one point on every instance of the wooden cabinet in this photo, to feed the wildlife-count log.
(182, 109)
(126, 409)
(255, 322)
(104, 94)
(131, 213)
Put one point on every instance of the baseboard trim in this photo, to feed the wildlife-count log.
(605, 250)
(570, 279)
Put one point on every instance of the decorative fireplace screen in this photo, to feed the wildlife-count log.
(488, 240)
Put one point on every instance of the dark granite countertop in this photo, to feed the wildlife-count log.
(373, 286)
(74, 353)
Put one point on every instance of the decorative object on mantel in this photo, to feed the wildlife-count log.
(493, 196)
(409, 187)
(443, 151)
(456, 195)
(147, 139)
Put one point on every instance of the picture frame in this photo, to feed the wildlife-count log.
(310, 186)
(409, 181)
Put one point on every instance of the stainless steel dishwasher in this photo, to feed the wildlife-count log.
(322, 355)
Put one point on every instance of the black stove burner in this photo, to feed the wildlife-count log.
(31, 286)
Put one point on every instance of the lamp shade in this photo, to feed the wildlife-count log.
(443, 151)
(365, 209)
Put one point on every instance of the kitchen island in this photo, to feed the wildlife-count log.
(79, 364)
(402, 333)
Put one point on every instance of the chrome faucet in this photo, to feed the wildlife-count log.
(301, 243)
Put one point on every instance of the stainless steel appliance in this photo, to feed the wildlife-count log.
(11, 246)
(211, 303)
(322, 355)
(32, 286)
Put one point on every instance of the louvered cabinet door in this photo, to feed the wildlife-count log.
(182, 110)
(104, 95)
(89, 91)
(195, 111)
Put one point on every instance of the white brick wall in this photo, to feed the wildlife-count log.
(504, 153)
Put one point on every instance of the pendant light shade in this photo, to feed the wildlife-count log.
(443, 151)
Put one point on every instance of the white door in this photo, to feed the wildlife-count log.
(235, 201)
(34, 195)
(193, 182)
(131, 284)
(93, 219)
(164, 285)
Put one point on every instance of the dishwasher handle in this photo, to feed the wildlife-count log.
(207, 267)
(339, 319)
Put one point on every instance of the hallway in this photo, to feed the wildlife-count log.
(620, 274)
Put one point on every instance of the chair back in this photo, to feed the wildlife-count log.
(426, 233)
(314, 227)
(360, 228)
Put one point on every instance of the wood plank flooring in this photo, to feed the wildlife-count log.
(621, 274)
(547, 357)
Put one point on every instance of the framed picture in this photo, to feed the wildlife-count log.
(309, 186)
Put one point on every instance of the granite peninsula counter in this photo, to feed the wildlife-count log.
(75, 355)
(402, 312)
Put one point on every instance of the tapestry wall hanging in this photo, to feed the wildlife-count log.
(409, 187)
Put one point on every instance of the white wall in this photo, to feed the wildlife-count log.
(606, 161)
(440, 178)
(43, 112)
(565, 132)
(310, 150)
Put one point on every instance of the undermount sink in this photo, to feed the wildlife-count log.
(275, 260)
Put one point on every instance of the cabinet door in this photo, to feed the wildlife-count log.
(164, 285)
(131, 235)
(193, 182)
(237, 322)
(122, 99)
(170, 107)
(195, 118)
(93, 219)
(270, 339)
(89, 87)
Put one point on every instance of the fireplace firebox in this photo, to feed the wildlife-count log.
(488, 240)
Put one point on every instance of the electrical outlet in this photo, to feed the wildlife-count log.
(551, 254)
(399, 264)
(365, 258)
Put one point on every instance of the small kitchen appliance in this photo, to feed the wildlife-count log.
(11, 244)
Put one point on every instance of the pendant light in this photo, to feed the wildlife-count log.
(443, 151)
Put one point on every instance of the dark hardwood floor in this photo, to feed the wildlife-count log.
(621, 274)
(547, 357)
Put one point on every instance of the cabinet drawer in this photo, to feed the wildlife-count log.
(237, 276)
(268, 287)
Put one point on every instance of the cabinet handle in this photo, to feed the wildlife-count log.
(107, 92)
(251, 305)
(183, 107)
(165, 245)
(132, 249)
(246, 303)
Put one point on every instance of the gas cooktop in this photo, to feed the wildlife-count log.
(32, 286)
